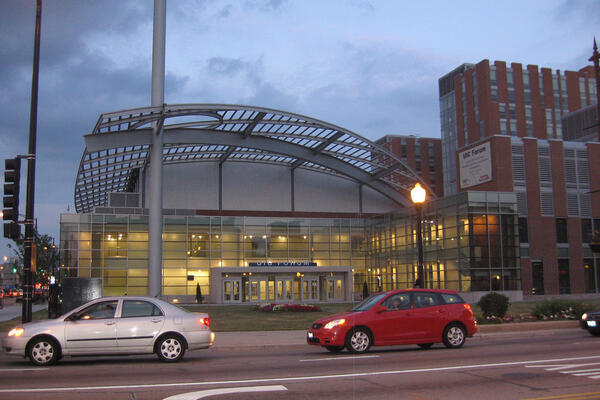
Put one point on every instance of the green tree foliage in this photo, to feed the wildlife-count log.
(46, 256)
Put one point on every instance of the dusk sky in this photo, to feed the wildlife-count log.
(369, 66)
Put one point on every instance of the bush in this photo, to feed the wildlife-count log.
(560, 309)
(494, 304)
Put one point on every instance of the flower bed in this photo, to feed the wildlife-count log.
(269, 307)
(561, 316)
(492, 319)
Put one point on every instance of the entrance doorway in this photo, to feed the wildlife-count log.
(285, 284)
(310, 289)
(231, 290)
(258, 289)
(284, 289)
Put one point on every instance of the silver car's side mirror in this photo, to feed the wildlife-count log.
(73, 317)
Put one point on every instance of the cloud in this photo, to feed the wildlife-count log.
(266, 5)
(226, 66)
(362, 4)
(582, 11)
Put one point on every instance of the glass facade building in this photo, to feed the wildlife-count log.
(115, 247)
(470, 244)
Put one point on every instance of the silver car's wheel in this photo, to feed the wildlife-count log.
(454, 336)
(43, 351)
(358, 341)
(170, 348)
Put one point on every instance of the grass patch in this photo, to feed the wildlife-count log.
(249, 318)
(235, 318)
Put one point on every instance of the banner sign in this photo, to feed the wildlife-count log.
(283, 264)
(475, 166)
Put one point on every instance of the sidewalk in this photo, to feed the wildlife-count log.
(270, 340)
(15, 310)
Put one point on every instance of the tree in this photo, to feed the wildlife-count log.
(199, 297)
(46, 256)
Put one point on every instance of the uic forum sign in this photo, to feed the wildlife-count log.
(475, 166)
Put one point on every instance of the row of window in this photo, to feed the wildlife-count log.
(590, 230)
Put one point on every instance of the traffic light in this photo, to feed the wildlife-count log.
(12, 230)
(14, 270)
(12, 178)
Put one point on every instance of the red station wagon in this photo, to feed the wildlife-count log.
(411, 316)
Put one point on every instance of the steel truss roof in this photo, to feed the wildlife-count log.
(120, 145)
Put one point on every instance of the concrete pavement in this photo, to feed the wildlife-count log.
(270, 340)
(14, 310)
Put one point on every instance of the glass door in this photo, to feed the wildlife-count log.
(258, 290)
(310, 289)
(231, 290)
(284, 289)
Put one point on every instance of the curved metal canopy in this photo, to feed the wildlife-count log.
(120, 144)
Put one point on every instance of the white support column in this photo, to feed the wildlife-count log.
(156, 165)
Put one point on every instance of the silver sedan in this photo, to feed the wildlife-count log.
(113, 325)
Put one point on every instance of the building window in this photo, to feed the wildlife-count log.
(589, 275)
(526, 79)
(586, 230)
(564, 279)
(523, 231)
(561, 230)
(493, 78)
(537, 275)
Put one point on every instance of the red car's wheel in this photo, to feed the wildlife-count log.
(358, 340)
(454, 336)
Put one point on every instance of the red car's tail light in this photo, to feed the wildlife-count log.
(204, 321)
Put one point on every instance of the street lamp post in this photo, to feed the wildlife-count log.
(418, 196)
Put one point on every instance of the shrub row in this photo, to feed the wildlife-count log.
(495, 305)
(560, 309)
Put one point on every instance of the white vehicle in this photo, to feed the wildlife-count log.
(113, 325)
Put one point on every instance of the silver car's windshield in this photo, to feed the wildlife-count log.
(368, 302)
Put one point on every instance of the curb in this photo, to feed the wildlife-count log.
(527, 326)
(263, 341)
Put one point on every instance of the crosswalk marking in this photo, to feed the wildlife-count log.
(592, 373)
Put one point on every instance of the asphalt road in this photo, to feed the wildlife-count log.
(560, 365)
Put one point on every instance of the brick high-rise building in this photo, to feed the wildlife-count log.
(423, 155)
(482, 100)
(502, 131)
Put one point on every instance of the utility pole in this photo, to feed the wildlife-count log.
(596, 59)
(29, 206)
(156, 153)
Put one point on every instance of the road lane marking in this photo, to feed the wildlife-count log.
(571, 396)
(337, 358)
(580, 370)
(289, 379)
(592, 373)
(22, 369)
(216, 392)
(558, 367)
